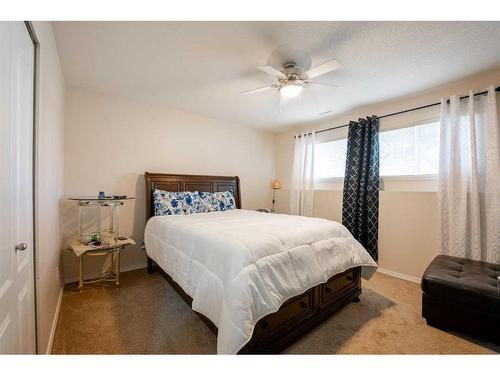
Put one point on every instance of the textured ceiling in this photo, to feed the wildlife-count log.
(201, 67)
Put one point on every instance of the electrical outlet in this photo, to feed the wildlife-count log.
(58, 276)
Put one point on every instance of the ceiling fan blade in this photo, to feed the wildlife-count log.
(271, 71)
(258, 89)
(324, 68)
(321, 83)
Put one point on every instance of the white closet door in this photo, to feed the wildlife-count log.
(17, 307)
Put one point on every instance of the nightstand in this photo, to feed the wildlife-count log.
(111, 248)
(106, 242)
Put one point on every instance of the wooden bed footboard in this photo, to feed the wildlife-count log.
(297, 316)
(302, 313)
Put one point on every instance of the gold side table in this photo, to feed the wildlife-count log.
(109, 247)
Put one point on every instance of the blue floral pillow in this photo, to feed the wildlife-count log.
(176, 203)
(218, 201)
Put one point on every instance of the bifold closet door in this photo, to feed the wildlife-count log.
(17, 305)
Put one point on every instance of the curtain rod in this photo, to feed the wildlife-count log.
(401, 112)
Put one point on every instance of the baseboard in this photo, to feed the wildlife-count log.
(54, 322)
(413, 279)
(122, 269)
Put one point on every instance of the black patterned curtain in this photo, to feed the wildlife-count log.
(361, 183)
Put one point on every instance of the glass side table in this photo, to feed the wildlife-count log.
(114, 206)
(111, 248)
(109, 243)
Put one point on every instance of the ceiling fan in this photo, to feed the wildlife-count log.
(292, 79)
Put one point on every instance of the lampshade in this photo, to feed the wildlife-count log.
(276, 184)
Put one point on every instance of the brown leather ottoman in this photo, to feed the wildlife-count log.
(462, 295)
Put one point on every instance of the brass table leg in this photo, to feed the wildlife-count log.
(80, 278)
(117, 269)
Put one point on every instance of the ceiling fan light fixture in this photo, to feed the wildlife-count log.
(291, 90)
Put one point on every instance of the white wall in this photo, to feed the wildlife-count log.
(110, 142)
(49, 145)
(408, 220)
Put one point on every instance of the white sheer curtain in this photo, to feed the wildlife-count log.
(469, 178)
(302, 191)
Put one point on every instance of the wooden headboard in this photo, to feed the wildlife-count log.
(185, 182)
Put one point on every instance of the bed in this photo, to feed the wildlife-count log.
(259, 281)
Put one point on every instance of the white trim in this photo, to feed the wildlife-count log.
(424, 177)
(122, 269)
(329, 183)
(416, 183)
(324, 180)
(413, 279)
(54, 322)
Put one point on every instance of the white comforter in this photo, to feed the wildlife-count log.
(240, 265)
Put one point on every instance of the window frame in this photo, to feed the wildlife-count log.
(419, 183)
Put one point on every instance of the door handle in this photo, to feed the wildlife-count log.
(21, 246)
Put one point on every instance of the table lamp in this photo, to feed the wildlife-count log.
(276, 184)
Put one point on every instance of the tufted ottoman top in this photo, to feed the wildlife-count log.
(464, 281)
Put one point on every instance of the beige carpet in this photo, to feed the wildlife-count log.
(145, 315)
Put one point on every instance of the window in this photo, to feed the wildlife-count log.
(329, 159)
(412, 151)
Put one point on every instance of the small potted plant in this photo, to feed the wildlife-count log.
(95, 239)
